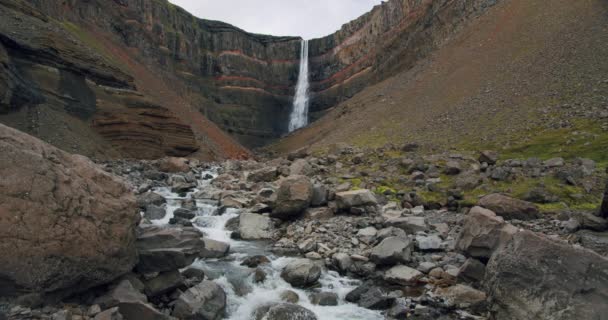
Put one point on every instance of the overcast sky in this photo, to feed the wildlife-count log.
(306, 18)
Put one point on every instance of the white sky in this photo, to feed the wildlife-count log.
(306, 18)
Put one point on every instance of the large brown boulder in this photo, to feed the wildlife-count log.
(293, 197)
(534, 277)
(510, 208)
(66, 225)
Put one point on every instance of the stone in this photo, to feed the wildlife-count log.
(259, 275)
(428, 243)
(166, 249)
(174, 165)
(110, 314)
(392, 250)
(154, 212)
(596, 241)
(452, 168)
(66, 224)
(289, 296)
(587, 220)
(283, 311)
(534, 277)
(293, 197)
(461, 296)
(301, 273)
(402, 275)
(121, 293)
(324, 298)
(150, 198)
(367, 235)
(163, 283)
(510, 208)
(342, 262)
(266, 174)
(554, 163)
(375, 299)
(255, 261)
(214, 249)
(184, 214)
(472, 271)
(322, 213)
(355, 198)
(300, 167)
(483, 232)
(255, 227)
(604, 207)
(411, 225)
(489, 157)
(319, 195)
(205, 301)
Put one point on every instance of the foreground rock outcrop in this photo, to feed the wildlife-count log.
(534, 277)
(66, 225)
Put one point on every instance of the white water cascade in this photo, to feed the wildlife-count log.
(299, 114)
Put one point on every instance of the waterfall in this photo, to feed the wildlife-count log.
(299, 114)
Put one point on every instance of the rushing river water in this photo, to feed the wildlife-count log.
(244, 296)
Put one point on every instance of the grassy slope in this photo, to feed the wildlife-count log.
(529, 78)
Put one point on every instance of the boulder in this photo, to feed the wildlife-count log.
(472, 271)
(131, 304)
(370, 297)
(289, 296)
(510, 208)
(266, 174)
(324, 298)
(367, 235)
(293, 197)
(184, 213)
(489, 157)
(154, 212)
(150, 198)
(534, 277)
(167, 249)
(255, 261)
(461, 296)
(163, 283)
(587, 220)
(205, 301)
(392, 250)
(255, 227)
(410, 225)
(554, 163)
(452, 168)
(300, 167)
(428, 243)
(283, 311)
(174, 165)
(482, 233)
(66, 224)
(402, 275)
(355, 198)
(214, 249)
(596, 241)
(319, 195)
(301, 273)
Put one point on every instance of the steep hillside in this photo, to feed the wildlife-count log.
(528, 78)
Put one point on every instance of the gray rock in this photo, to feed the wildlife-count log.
(596, 241)
(301, 273)
(319, 195)
(461, 296)
(472, 271)
(324, 298)
(411, 225)
(283, 311)
(452, 168)
(150, 198)
(290, 296)
(428, 243)
(131, 304)
(367, 235)
(510, 208)
(167, 249)
(293, 197)
(489, 157)
(590, 221)
(342, 262)
(534, 277)
(163, 283)
(402, 275)
(483, 232)
(214, 249)
(371, 298)
(554, 163)
(356, 198)
(205, 301)
(153, 212)
(392, 250)
(300, 167)
(255, 261)
(255, 227)
(184, 213)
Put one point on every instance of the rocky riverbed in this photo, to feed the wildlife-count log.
(295, 238)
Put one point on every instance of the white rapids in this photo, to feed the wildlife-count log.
(244, 296)
(299, 114)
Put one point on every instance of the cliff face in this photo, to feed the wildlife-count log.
(242, 82)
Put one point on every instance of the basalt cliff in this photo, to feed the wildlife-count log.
(147, 79)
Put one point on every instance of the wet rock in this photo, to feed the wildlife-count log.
(510, 208)
(167, 249)
(266, 174)
(301, 273)
(370, 297)
(214, 249)
(255, 261)
(259, 275)
(324, 298)
(392, 250)
(255, 227)
(163, 283)
(174, 165)
(154, 212)
(206, 300)
(461, 296)
(283, 311)
(536, 277)
(483, 232)
(293, 197)
(184, 214)
(66, 224)
(290, 296)
(356, 198)
(402, 275)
